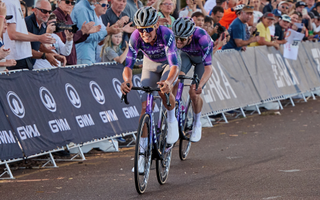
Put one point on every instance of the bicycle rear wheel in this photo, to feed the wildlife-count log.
(163, 166)
(141, 179)
(185, 143)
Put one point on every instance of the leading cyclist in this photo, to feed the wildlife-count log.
(161, 64)
(196, 49)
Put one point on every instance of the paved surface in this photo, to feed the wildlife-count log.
(262, 157)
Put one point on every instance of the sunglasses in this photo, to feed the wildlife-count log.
(146, 29)
(248, 7)
(285, 7)
(44, 11)
(68, 2)
(103, 5)
(167, 4)
(182, 39)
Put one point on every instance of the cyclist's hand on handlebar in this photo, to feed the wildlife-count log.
(124, 88)
(165, 86)
(197, 91)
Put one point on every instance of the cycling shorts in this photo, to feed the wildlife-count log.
(188, 61)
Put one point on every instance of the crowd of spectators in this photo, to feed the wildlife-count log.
(32, 37)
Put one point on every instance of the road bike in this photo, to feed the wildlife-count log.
(157, 148)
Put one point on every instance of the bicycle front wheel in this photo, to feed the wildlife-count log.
(163, 166)
(185, 143)
(144, 153)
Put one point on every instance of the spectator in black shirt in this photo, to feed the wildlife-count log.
(281, 27)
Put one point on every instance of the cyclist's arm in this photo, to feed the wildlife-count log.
(206, 42)
(174, 72)
(172, 55)
(206, 75)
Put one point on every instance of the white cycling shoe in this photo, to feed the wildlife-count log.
(141, 164)
(196, 134)
(173, 132)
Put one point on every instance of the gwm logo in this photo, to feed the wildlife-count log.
(117, 86)
(137, 83)
(97, 92)
(15, 104)
(47, 99)
(73, 95)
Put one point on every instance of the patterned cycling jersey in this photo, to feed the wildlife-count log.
(163, 50)
(200, 45)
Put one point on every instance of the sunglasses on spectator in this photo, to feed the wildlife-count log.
(103, 5)
(182, 39)
(285, 7)
(68, 2)
(44, 11)
(248, 7)
(167, 4)
(147, 29)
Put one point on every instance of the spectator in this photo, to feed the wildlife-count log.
(277, 17)
(229, 14)
(256, 12)
(237, 31)
(111, 50)
(151, 3)
(18, 39)
(36, 22)
(216, 14)
(284, 7)
(100, 8)
(83, 12)
(300, 5)
(316, 7)
(166, 7)
(116, 15)
(189, 9)
(280, 29)
(198, 18)
(264, 32)
(58, 47)
(296, 19)
(310, 5)
(4, 62)
(208, 25)
(63, 15)
(131, 8)
(24, 8)
(316, 24)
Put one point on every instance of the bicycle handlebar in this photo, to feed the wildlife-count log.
(195, 78)
(145, 89)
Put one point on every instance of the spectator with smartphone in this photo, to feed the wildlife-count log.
(297, 25)
(264, 31)
(237, 31)
(216, 14)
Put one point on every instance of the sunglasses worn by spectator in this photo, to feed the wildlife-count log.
(167, 4)
(285, 7)
(44, 11)
(147, 29)
(182, 39)
(248, 7)
(103, 5)
(68, 2)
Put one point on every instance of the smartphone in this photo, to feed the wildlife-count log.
(304, 12)
(223, 35)
(257, 34)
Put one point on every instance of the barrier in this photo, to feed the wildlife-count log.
(43, 111)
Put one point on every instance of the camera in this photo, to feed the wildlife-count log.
(220, 30)
(61, 26)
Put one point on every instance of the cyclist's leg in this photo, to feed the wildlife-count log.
(173, 129)
(185, 67)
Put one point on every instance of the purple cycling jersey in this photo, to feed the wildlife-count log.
(163, 51)
(201, 45)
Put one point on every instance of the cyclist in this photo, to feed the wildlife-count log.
(161, 64)
(196, 49)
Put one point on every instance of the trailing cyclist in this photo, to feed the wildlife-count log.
(196, 49)
(161, 64)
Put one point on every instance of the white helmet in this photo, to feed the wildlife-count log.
(183, 27)
(146, 16)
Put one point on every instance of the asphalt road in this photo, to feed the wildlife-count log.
(260, 157)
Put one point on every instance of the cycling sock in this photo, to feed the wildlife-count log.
(196, 118)
(143, 144)
(171, 114)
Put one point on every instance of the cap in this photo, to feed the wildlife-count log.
(286, 18)
(315, 13)
(276, 12)
(248, 9)
(8, 17)
(268, 15)
(301, 3)
(311, 15)
(317, 4)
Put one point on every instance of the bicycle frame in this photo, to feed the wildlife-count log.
(178, 100)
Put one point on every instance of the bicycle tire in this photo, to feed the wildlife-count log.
(163, 166)
(185, 143)
(141, 179)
